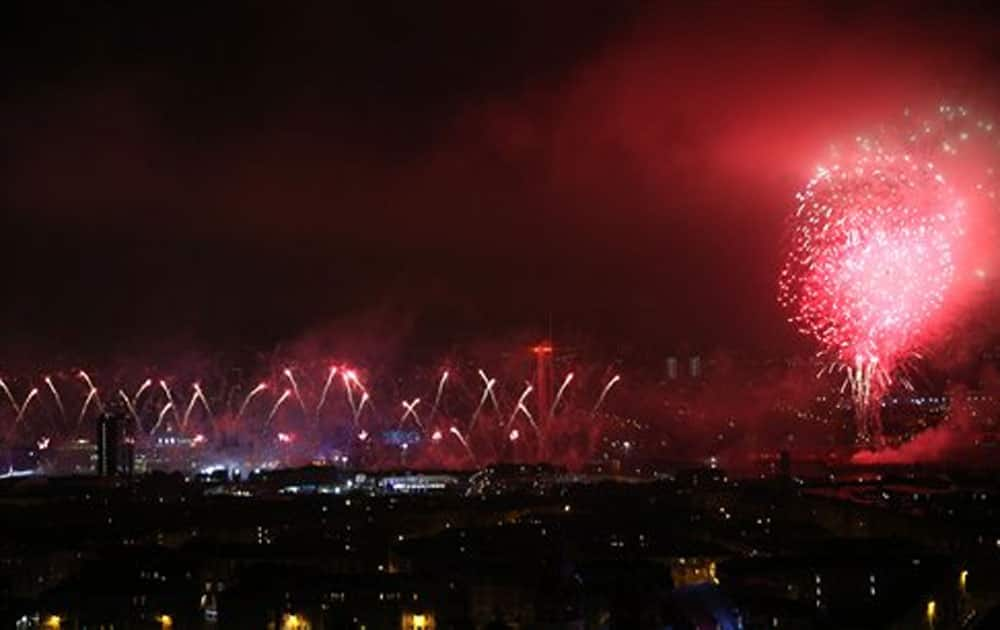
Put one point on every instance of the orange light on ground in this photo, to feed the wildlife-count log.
(294, 622)
(418, 621)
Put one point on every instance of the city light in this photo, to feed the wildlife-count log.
(294, 622)
(418, 621)
(53, 622)
(166, 621)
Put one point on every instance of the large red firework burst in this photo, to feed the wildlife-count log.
(872, 258)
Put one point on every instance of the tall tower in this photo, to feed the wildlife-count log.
(115, 452)
(543, 377)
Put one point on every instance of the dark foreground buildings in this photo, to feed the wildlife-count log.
(512, 547)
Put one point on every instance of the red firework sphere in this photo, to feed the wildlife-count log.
(872, 255)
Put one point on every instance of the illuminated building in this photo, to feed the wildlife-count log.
(694, 366)
(115, 449)
(672, 368)
(418, 621)
(291, 621)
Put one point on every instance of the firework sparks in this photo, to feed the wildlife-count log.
(170, 398)
(56, 397)
(277, 405)
(128, 404)
(437, 396)
(196, 397)
(27, 403)
(559, 394)
(183, 408)
(873, 256)
(604, 394)
(361, 407)
(10, 396)
(350, 377)
(250, 396)
(326, 388)
(91, 395)
(159, 418)
(491, 390)
(410, 410)
(90, 385)
(146, 384)
(204, 401)
(488, 385)
(521, 408)
(461, 438)
(295, 388)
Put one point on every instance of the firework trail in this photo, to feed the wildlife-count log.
(187, 410)
(531, 419)
(129, 405)
(349, 377)
(56, 397)
(437, 396)
(246, 401)
(277, 405)
(90, 384)
(361, 407)
(170, 398)
(411, 410)
(604, 394)
(146, 384)
(86, 379)
(454, 431)
(24, 405)
(295, 388)
(559, 394)
(142, 388)
(520, 407)
(490, 382)
(196, 396)
(91, 395)
(487, 388)
(204, 401)
(326, 388)
(159, 419)
(10, 396)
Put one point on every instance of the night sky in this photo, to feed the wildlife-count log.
(243, 174)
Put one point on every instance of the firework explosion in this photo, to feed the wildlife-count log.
(876, 248)
(307, 410)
